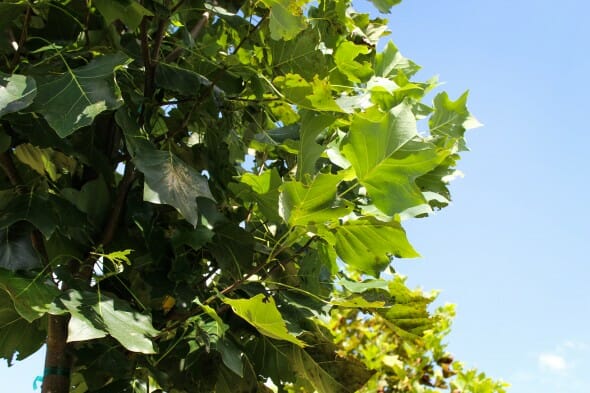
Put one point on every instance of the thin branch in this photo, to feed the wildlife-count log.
(124, 185)
(176, 7)
(10, 170)
(22, 39)
(159, 39)
(147, 63)
(108, 233)
(175, 54)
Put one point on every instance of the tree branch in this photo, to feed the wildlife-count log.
(10, 170)
(129, 177)
(22, 39)
(175, 54)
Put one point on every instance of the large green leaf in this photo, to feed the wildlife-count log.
(263, 189)
(345, 57)
(16, 92)
(390, 62)
(312, 124)
(385, 5)
(261, 312)
(300, 55)
(10, 12)
(286, 19)
(32, 298)
(451, 118)
(16, 334)
(129, 11)
(367, 245)
(168, 179)
(313, 203)
(374, 136)
(46, 212)
(179, 80)
(409, 315)
(388, 156)
(73, 99)
(94, 315)
(328, 375)
(16, 250)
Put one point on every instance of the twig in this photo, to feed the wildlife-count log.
(22, 39)
(108, 233)
(159, 39)
(10, 170)
(124, 185)
(175, 54)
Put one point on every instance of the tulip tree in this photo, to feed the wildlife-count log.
(192, 192)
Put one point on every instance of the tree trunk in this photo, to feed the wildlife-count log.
(56, 378)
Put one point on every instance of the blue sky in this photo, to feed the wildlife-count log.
(511, 250)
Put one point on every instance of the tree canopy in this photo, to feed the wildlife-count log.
(203, 196)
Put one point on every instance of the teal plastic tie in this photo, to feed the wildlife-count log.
(38, 379)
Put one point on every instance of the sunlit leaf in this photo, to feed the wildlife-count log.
(302, 204)
(32, 298)
(368, 245)
(95, 315)
(16, 92)
(286, 19)
(13, 328)
(261, 312)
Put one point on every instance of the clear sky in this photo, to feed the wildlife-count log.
(511, 250)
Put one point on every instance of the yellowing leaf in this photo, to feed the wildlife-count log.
(261, 312)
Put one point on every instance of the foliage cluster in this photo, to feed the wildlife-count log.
(199, 192)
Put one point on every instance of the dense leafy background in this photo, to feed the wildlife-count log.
(210, 185)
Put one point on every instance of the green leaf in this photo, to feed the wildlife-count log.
(17, 252)
(341, 375)
(271, 358)
(345, 56)
(72, 100)
(385, 5)
(387, 156)
(313, 203)
(46, 162)
(31, 297)
(16, 334)
(195, 238)
(263, 190)
(409, 315)
(16, 92)
(10, 13)
(168, 179)
(179, 80)
(35, 208)
(363, 286)
(93, 199)
(231, 356)
(300, 55)
(390, 62)
(261, 312)
(321, 98)
(316, 270)
(367, 245)
(312, 124)
(286, 19)
(451, 118)
(129, 11)
(93, 315)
